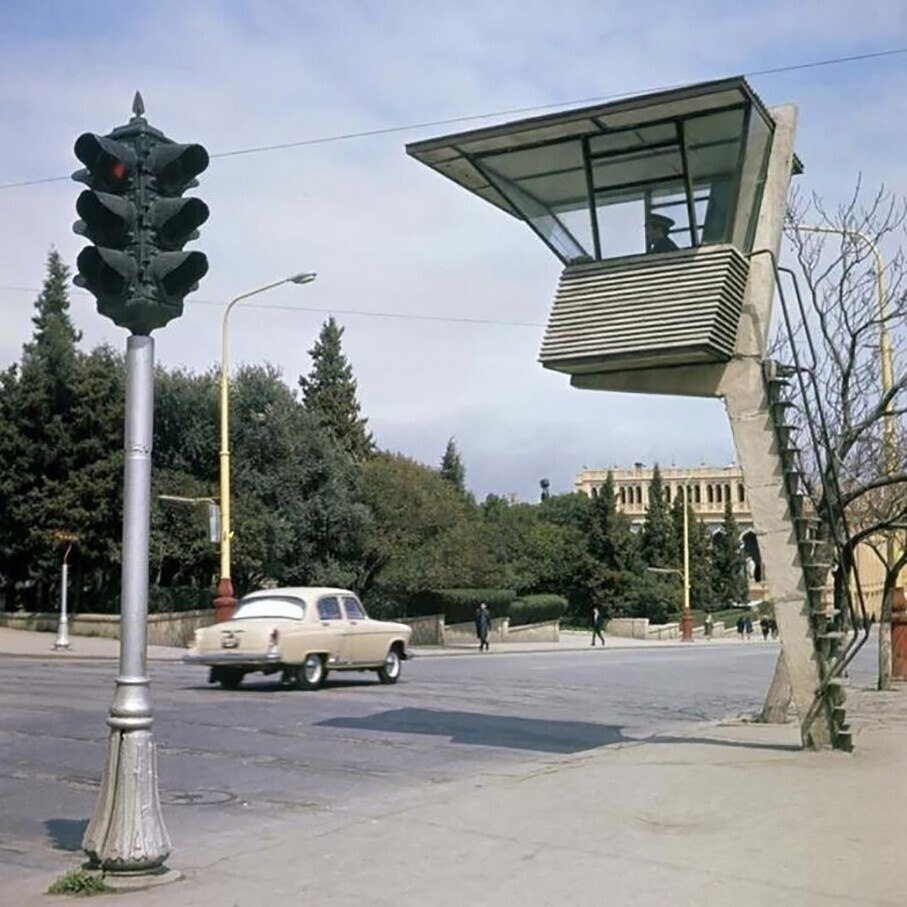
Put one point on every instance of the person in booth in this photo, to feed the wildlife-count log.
(657, 229)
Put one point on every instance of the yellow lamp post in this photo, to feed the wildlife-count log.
(686, 615)
(225, 600)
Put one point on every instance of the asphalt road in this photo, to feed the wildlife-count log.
(232, 764)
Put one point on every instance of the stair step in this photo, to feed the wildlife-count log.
(844, 741)
(833, 634)
(825, 612)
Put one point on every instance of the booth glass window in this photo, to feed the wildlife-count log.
(657, 187)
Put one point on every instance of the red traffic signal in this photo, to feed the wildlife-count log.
(109, 165)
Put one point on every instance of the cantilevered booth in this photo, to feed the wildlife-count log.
(651, 204)
(667, 212)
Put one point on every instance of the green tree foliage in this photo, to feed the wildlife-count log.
(452, 468)
(536, 555)
(613, 565)
(54, 437)
(424, 534)
(658, 544)
(729, 581)
(329, 394)
(296, 511)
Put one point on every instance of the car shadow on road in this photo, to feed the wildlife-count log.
(66, 834)
(475, 729)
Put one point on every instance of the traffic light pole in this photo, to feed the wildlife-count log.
(126, 832)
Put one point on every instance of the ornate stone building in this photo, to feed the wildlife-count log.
(708, 488)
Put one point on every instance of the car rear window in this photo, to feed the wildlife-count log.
(292, 608)
(329, 608)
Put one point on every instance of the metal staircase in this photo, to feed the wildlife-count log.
(820, 524)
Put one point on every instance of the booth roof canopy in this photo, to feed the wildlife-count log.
(451, 155)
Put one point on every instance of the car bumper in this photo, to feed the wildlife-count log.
(215, 659)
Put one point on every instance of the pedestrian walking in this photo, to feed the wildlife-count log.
(707, 625)
(765, 626)
(741, 626)
(483, 625)
(748, 626)
(773, 627)
(598, 621)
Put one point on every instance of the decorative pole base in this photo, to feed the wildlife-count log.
(225, 600)
(126, 832)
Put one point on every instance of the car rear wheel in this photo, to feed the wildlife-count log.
(311, 673)
(389, 672)
(230, 678)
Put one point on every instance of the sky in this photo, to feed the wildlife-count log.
(443, 298)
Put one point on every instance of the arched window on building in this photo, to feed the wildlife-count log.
(697, 494)
(727, 493)
(639, 494)
(710, 494)
(741, 492)
(623, 495)
(718, 498)
(668, 494)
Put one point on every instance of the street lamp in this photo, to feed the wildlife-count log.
(686, 615)
(225, 600)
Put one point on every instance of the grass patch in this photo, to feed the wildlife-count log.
(80, 882)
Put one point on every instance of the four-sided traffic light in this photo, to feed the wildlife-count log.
(134, 213)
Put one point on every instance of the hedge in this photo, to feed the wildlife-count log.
(533, 609)
(459, 605)
(179, 598)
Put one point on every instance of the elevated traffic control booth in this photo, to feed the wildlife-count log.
(660, 208)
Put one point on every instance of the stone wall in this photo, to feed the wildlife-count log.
(427, 631)
(174, 629)
(463, 634)
(546, 631)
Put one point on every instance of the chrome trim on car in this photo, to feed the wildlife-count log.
(221, 658)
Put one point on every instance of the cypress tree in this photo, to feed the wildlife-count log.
(729, 573)
(452, 468)
(329, 394)
(659, 542)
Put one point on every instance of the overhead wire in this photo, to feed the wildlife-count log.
(387, 130)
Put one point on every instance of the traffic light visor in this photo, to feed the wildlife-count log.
(109, 163)
(106, 273)
(176, 166)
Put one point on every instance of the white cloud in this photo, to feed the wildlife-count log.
(384, 232)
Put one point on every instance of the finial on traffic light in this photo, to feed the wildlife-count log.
(138, 105)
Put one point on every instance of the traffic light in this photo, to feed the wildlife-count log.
(174, 220)
(134, 214)
(108, 217)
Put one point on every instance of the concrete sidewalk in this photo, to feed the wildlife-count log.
(32, 644)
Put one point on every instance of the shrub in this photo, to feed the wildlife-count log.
(533, 609)
(459, 605)
(79, 882)
(164, 599)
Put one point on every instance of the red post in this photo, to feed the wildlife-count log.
(898, 635)
(686, 625)
(225, 600)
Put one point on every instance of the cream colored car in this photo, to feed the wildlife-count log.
(302, 632)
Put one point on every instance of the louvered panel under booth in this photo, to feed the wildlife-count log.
(681, 308)
(651, 204)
